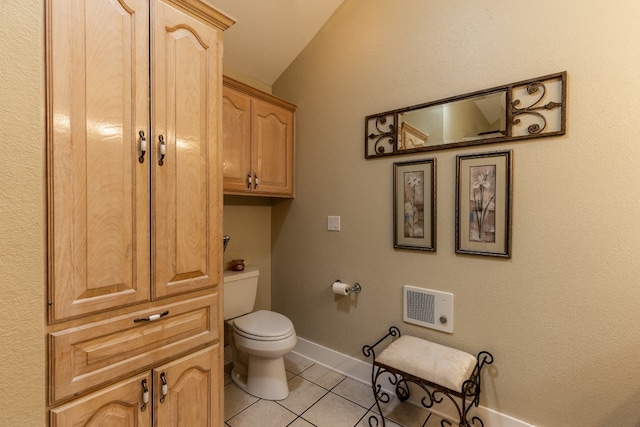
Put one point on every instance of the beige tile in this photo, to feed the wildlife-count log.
(227, 378)
(355, 391)
(236, 400)
(364, 422)
(264, 413)
(295, 363)
(322, 376)
(300, 423)
(334, 411)
(435, 421)
(403, 413)
(302, 395)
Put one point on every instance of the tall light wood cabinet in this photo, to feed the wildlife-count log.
(134, 193)
(258, 140)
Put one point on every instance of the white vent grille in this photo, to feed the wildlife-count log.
(421, 306)
(428, 308)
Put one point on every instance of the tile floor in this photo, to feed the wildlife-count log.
(318, 397)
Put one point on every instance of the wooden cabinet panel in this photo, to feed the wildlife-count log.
(192, 385)
(119, 405)
(184, 392)
(186, 185)
(236, 131)
(97, 96)
(272, 150)
(90, 355)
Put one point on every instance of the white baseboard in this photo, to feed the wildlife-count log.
(361, 371)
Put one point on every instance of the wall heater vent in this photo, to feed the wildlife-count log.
(428, 308)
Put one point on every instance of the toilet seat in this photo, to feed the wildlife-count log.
(263, 325)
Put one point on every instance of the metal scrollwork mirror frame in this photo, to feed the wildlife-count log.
(533, 108)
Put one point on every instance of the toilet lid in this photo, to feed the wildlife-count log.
(264, 323)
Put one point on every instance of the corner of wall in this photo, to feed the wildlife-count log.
(248, 80)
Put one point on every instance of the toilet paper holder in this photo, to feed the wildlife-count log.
(353, 288)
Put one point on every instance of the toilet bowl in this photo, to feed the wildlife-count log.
(264, 337)
(259, 340)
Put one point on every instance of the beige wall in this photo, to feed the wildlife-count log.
(248, 221)
(561, 316)
(248, 80)
(22, 342)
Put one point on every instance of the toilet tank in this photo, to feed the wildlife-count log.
(240, 289)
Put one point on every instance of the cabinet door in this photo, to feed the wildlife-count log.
(120, 405)
(272, 149)
(236, 140)
(187, 182)
(98, 192)
(192, 391)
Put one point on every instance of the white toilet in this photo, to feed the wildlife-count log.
(259, 340)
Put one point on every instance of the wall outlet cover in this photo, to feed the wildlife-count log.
(333, 223)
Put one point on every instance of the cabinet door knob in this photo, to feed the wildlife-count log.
(256, 181)
(143, 146)
(163, 150)
(145, 395)
(164, 391)
(249, 182)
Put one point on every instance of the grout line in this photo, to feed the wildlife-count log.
(238, 413)
(327, 391)
(314, 403)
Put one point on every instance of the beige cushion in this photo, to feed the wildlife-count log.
(424, 359)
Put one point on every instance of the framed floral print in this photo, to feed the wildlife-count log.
(414, 201)
(483, 203)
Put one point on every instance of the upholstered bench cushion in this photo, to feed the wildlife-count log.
(433, 362)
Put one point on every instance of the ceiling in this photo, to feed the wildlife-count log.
(269, 34)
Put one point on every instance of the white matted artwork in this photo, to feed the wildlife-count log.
(414, 201)
(483, 203)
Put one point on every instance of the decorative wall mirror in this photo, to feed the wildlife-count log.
(528, 109)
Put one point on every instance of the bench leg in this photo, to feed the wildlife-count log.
(464, 423)
(378, 395)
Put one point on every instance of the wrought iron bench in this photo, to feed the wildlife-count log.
(438, 370)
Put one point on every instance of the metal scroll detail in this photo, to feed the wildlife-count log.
(536, 108)
(378, 393)
(381, 134)
(528, 109)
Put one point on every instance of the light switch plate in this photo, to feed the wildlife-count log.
(333, 223)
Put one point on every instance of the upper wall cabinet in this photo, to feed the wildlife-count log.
(258, 142)
(133, 197)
